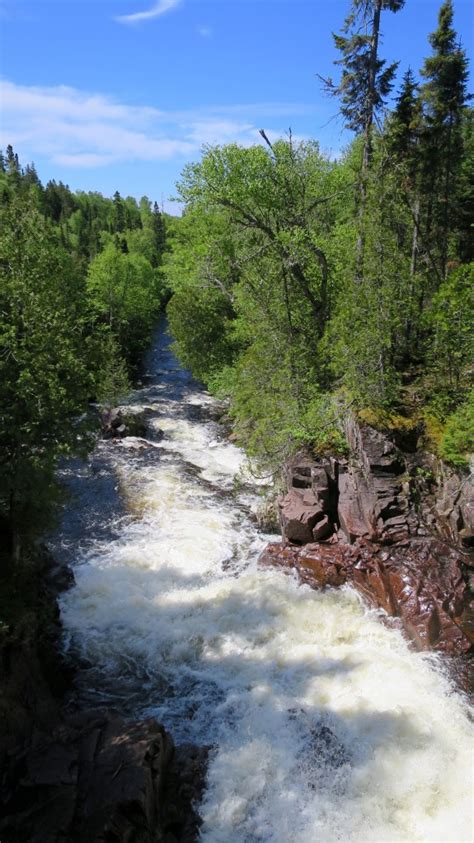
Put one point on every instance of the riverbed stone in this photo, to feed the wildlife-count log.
(117, 423)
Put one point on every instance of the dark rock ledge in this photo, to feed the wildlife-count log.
(98, 778)
(397, 526)
(88, 776)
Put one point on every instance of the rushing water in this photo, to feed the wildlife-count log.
(324, 725)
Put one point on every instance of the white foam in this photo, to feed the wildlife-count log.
(325, 726)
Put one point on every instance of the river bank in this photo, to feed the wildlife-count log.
(319, 721)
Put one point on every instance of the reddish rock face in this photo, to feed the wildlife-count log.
(421, 583)
(389, 526)
(300, 513)
(309, 511)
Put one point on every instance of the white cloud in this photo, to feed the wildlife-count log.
(75, 128)
(156, 10)
(204, 31)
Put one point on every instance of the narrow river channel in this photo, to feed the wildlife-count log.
(324, 726)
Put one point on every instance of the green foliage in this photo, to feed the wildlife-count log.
(457, 441)
(249, 268)
(444, 98)
(202, 332)
(124, 291)
(365, 81)
(321, 425)
(296, 279)
(451, 320)
(45, 378)
(79, 293)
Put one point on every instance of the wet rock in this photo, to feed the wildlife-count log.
(421, 583)
(356, 505)
(117, 424)
(184, 787)
(446, 500)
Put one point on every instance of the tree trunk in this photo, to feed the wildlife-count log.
(368, 146)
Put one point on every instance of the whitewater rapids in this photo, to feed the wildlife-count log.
(324, 725)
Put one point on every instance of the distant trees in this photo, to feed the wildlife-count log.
(80, 288)
(125, 292)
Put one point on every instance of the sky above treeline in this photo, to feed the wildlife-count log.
(119, 94)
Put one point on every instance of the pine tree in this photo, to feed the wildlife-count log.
(404, 125)
(118, 217)
(13, 167)
(364, 84)
(159, 230)
(465, 192)
(444, 98)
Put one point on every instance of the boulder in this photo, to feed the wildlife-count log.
(309, 511)
(117, 424)
(300, 511)
(323, 529)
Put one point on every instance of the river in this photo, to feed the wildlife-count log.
(324, 725)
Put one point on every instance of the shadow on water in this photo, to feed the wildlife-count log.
(253, 709)
(206, 692)
(209, 657)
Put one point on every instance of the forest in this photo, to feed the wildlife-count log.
(299, 285)
(81, 289)
(303, 286)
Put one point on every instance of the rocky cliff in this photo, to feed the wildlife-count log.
(397, 525)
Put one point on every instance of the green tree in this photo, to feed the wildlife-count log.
(119, 214)
(125, 292)
(364, 85)
(45, 380)
(444, 98)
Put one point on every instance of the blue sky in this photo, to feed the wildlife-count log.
(120, 94)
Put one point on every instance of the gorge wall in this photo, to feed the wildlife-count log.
(398, 526)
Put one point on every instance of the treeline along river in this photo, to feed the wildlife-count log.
(324, 724)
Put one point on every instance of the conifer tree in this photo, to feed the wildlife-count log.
(403, 128)
(118, 218)
(159, 230)
(364, 84)
(444, 98)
